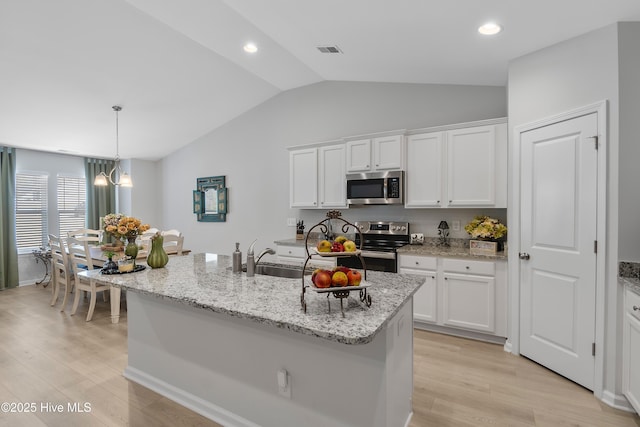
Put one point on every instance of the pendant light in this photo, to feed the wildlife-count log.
(121, 177)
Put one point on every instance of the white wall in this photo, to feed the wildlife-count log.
(628, 170)
(563, 77)
(251, 152)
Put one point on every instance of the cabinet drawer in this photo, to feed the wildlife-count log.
(291, 251)
(632, 303)
(418, 262)
(485, 268)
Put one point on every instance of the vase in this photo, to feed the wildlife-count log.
(110, 265)
(157, 258)
(132, 249)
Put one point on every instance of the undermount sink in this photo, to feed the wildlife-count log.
(289, 272)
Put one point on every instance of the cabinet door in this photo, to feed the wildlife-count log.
(630, 355)
(333, 187)
(468, 302)
(426, 298)
(471, 167)
(303, 178)
(424, 170)
(359, 155)
(388, 152)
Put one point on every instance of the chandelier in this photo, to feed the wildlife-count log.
(117, 176)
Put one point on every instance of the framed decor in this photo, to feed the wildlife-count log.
(210, 199)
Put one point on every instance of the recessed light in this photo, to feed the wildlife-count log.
(489, 29)
(250, 48)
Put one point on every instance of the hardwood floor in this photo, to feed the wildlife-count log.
(51, 357)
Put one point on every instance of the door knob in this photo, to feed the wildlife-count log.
(524, 255)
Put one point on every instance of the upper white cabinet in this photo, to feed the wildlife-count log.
(303, 179)
(424, 170)
(317, 177)
(464, 167)
(375, 154)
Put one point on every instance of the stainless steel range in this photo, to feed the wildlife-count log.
(381, 240)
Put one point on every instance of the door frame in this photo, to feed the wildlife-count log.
(513, 217)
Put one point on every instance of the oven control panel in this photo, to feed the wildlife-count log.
(383, 227)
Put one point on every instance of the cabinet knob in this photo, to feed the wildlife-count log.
(314, 203)
(377, 165)
(467, 267)
(446, 278)
(367, 166)
(450, 201)
(636, 308)
(437, 201)
(289, 251)
(417, 263)
(433, 277)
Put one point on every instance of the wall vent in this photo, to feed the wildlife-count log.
(329, 49)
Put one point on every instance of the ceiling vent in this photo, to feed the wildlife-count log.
(329, 49)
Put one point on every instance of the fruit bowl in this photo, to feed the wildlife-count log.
(363, 285)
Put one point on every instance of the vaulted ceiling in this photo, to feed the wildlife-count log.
(178, 68)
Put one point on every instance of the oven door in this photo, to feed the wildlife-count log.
(374, 260)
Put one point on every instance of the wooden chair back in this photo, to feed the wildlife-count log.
(172, 244)
(59, 269)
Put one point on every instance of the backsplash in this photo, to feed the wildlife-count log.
(629, 269)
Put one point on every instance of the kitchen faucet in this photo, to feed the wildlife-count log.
(252, 262)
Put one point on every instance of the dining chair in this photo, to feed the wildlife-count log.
(80, 259)
(172, 244)
(172, 232)
(145, 242)
(87, 237)
(59, 269)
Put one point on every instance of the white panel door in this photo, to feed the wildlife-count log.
(558, 233)
(333, 187)
(303, 178)
(471, 166)
(424, 170)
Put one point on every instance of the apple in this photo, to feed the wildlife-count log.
(337, 247)
(339, 279)
(323, 279)
(349, 246)
(313, 275)
(323, 246)
(342, 268)
(341, 239)
(354, 277)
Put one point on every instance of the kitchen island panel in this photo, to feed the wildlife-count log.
(225, 367)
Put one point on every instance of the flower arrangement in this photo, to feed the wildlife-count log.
(484, 227)
(121, 226)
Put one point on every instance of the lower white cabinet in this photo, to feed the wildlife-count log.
(631, 349)
(296, 254)
(461, 294)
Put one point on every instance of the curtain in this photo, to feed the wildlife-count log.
(100, 200)
(8, 245)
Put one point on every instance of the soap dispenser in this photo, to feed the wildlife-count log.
(237, 259)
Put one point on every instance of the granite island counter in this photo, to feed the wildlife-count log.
(215, 342)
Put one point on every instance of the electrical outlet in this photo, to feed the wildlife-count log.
(284, 383)
(291, 222)
(455, 225)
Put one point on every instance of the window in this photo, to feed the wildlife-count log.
(31, 210)
(72, 198)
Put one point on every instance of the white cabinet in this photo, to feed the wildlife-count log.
(423, 187)
(424, 300)
(459, 294)
(332, 186)
(316, 177)
(303, 178)
(473, 157)
(296, 254)
(375, 154)
(631, 349)
(464, 167)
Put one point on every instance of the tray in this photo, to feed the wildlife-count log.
(335, 254)
(135, 270)
(363, 285)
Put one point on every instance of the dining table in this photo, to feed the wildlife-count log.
(98, 259)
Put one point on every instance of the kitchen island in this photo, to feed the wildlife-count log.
(215, 342)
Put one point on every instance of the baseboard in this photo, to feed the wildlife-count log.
(188, 400)
(617, 401)
(406, 424)
(479, 336)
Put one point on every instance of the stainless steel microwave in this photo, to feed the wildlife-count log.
(375, 188)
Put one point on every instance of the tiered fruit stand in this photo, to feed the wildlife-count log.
(342, 292)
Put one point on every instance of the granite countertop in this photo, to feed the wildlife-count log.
(206, 281)
(631, 283)
(452, 251)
